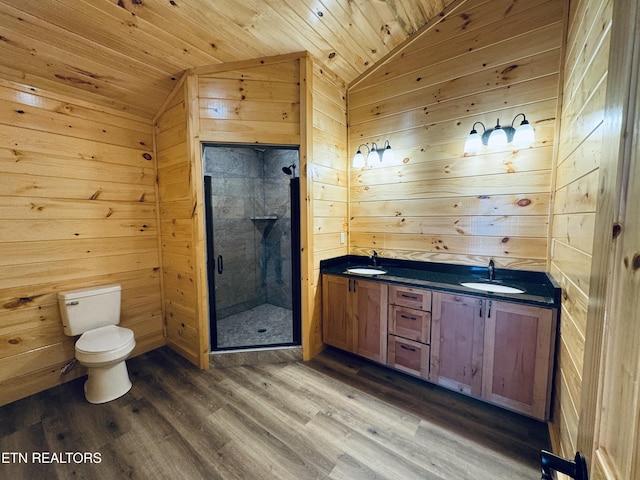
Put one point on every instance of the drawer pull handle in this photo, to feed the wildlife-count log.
(408, 348)
(410, 297)
(407, 317)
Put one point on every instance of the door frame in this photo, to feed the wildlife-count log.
(621, 139)
(296, 236)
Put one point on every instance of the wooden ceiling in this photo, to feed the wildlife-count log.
(128, 54)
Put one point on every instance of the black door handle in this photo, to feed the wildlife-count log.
(220, 265)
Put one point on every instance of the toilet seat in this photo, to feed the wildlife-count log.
(104, 344)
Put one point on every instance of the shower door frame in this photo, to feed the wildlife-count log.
(296, 257)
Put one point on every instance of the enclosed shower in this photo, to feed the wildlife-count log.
(253, 224)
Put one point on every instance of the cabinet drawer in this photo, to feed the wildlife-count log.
(410, 323)
(410, 297)
(408, 356)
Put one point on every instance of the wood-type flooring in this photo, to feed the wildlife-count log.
(336, 417)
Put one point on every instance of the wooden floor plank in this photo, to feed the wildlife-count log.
(258, 406)
(335, 417)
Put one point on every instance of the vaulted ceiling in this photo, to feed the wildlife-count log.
(128, 54)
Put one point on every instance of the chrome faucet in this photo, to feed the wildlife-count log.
(491, 271)
(374, 258)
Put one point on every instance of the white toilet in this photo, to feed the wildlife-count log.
(103, 346)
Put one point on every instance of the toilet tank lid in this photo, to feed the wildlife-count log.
(88, 292)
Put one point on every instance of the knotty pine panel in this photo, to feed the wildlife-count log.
(329, 169)
(61, 118)
(478, 64)
(41, 168)
(582, 161)
(329, 192)
(575, 263)
(257, 101)
(77, 209)
(577, 197)
(87, 249)
(329, 174)
(473, 206)
(26, 208)
(176, 225)
(480, 185)
(580, 150)
(65, 271)
(415, 95)
(37, 141)
(526, 226)
(459, 31)
(564, 403)
(329, 224)
(518, 247)
(574, 301)
(427, 167)
(575, 230)
(484, 105)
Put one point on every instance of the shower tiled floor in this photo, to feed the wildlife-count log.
(265, 324)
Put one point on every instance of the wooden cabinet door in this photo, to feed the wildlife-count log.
(518, 357)
(409, 356)
(369, 316)
(337, 325)
(457, 342)
(409, 323)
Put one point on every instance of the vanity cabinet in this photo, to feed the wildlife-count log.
(337, 326)
(518, 357)
(499, 351)
(495, 350)
(355, 316)
(409, 330)
(457, 332)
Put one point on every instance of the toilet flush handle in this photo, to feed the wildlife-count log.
(75, 302)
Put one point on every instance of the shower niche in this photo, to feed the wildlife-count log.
(253, 230)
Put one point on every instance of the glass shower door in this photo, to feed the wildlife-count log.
(250, 254)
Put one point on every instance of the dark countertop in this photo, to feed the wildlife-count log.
(539, 288)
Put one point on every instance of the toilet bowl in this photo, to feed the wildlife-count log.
(104, 351)
(102, 347)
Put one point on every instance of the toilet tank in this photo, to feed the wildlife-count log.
(88, 308)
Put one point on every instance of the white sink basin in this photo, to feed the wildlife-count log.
(366, 270)
(491, 287)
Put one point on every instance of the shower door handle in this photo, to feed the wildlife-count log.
(220, 265)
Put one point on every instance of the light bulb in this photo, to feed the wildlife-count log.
(524, 136)
(473, 144)
(498, 138)
(373, 156)
(388, 157)
(358, 160)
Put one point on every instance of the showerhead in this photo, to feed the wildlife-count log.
(291, 169)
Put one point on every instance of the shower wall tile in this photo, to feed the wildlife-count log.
(249, 183)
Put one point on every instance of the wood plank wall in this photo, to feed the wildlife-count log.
(176, 203)
(330, 182)
(77, 209)
(579, 154)
(478, 62)
(261, 101)
(252, 102)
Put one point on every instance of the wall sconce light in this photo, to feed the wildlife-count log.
(383, 157)
(499, 136)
